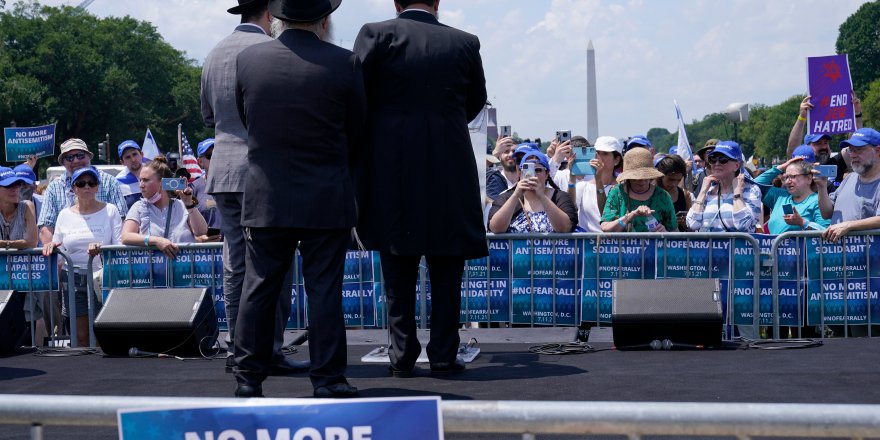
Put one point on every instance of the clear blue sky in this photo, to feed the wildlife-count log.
(704, 53)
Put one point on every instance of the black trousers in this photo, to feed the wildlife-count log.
(401, 275)
(270, 253)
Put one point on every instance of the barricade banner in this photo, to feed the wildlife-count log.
(414, 417)
(358, 288)
(485, 289)
(606, 260)
(544, 288)
(840, 289)
(28, 272)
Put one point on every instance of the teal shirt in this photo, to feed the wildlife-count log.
(660, 202)
(808, 208)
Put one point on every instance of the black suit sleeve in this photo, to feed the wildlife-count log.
(355, 120)
(363, 49)
(476, 98)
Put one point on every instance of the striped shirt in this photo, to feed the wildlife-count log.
(59, 195)
(725, 219)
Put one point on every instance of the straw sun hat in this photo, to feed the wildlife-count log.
(638, 164)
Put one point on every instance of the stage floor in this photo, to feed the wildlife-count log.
(840, 371)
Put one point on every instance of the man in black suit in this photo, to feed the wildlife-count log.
(302, 101)
(420, 193)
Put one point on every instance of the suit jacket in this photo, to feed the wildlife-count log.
(302, 101)
(420, 193)
(228, 164)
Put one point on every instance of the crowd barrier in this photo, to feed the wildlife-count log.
(28, 271)
(567, 279)
(826, 284)
(527, 418)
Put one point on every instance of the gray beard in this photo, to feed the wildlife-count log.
(279, 26)
(862, 168)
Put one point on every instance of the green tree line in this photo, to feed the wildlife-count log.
(95, 76)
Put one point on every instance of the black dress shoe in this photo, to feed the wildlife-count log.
(245, 390)
(284, 366)
(445, 368)
(400, 374)
(336, 391)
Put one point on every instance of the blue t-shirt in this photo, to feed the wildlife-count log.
(808, 208)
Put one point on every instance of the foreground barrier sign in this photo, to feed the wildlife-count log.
(362, 419)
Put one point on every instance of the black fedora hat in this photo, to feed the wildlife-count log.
(302, 11)
(245, 5)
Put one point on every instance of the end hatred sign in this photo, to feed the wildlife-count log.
(831, 89)
(21, 142)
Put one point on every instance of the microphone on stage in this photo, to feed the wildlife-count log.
(669, 345)
(133, 352)
(653, 345)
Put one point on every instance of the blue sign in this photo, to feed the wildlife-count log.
(29, 272)
(22, 142)
(361, 419)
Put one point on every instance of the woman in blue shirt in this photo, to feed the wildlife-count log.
(799, 191)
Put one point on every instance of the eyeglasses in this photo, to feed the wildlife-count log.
(84, 183)
(721, 160)
(792, 176)
(73, 157)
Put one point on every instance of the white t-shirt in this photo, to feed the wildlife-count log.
(75, 232)
(588, 207)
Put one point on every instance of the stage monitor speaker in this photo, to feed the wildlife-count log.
(13, 327)
(179, 322)
(686, 312)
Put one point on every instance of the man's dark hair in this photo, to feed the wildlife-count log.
(254, 12)
(407, 3)
(579, 141)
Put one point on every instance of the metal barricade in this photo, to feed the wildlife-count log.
(32, 288)
(528, 418)
(814, 254)
(642, 263)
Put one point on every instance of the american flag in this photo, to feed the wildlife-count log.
(189, 159)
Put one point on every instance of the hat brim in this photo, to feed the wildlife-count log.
(307, 15)
(244, 7)
(609, 150)
(639, 174)
(11, 180)
(60, 156)
(855, 143)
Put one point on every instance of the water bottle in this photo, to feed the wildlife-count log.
(651, 223)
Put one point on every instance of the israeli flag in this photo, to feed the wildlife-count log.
(150, 149)
(684, 147)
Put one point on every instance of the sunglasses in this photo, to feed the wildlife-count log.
(85, 183)
(722, 160)
(73, 157)
(538, 170)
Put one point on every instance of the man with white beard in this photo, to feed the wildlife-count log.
(302, 100)
(229, 160)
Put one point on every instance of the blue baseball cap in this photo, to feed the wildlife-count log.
(204, 146)
(526, 148)
(8, 176)
(125, 145)
(25, 173)
(806, 152)
(862, 136)
(810, 138)
(85, 170)
(658, 158)
(542, 159)
(673, 149)
(639, 140)
(729, 149)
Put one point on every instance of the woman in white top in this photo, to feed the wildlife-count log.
(80, 231)
(589, 194)
(160, 220)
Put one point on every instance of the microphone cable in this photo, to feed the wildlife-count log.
(783, 344)
(564, 349)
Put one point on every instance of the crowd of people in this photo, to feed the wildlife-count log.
(323, 141)
(634, 189)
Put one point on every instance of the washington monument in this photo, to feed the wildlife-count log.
(592, 106)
